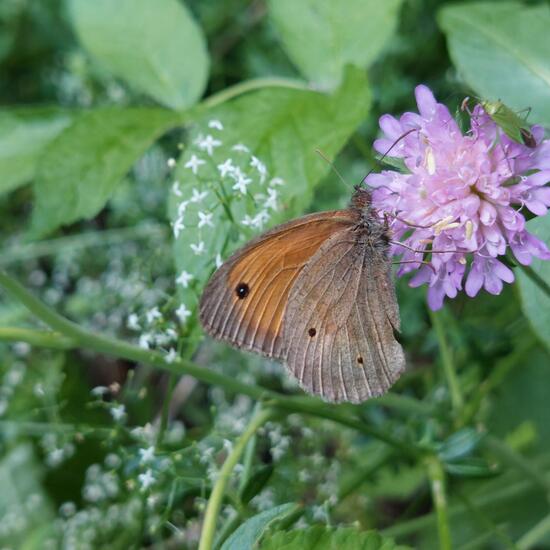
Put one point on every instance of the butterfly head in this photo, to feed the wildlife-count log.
(361, 197)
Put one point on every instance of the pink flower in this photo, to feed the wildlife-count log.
(463, 197)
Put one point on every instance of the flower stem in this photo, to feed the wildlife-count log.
(436, 476)
(83, 338)
(42, 338)
(447, 361)
(216, 496)
(536, 278)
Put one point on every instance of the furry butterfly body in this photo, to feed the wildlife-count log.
(317, 294)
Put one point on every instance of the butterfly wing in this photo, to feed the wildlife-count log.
(244, 301)
(341, 321)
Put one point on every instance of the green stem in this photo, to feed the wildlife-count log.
(42, 338)
(540, 531)
(249, 86)
(447, 360)
(88, 340)
(536, 278)
(436, 476)
(216, 496)
(172, 382)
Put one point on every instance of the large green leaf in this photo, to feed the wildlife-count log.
(24, 133)
(156, 47)
(280, 127)
(535, 302)
(322, 36)
(249, 533)
(328, 538)
(82, 166)
(501, 50)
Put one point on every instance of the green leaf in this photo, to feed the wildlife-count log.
(535, 302)
(328, 538)
(280, 127)
(472, 467)
(156, 47)
(82, 166)
(322, 36)
(250, 532)
(501, 50)
(24, 133)
(459, 444)
(256, 483)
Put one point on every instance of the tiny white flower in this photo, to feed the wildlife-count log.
(277, 181)
(242, 183)
(171, 334)
(260, 166)
(198, 248)
(146, 480)
(197, 195)
(218, 260)
(184, 278)
(216, 124)
(147, 455)
(171, 163)
(145, 340)
(183, 313)
(182, 207)
(133, 322)
(176, 189)
(260, 219)
(208, 144)
(241, 148)
(98, 391)
(178, 227)
(193, 163)
(205, 219)
(118, 413)
(171, 356)
(271, 201)
(226, 168)
(153, 314)
(247, 220)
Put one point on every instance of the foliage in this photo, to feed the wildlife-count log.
(141, 143)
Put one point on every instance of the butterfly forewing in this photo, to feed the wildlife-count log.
(340, 323)
(245, 299)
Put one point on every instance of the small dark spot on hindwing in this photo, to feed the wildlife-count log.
(312, 332)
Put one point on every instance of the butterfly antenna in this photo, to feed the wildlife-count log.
(388, 151)
(324, 157)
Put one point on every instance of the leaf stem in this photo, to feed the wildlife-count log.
(447, 361)
(83, 338)
(42, 338)
(216, 496)
(535, 534)
(436, 476)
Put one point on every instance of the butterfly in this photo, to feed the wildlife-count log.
(317, 294)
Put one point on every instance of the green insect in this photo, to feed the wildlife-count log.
(511, 123)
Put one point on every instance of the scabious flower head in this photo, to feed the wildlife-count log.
(468, 193)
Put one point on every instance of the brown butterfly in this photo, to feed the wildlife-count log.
(317, 294)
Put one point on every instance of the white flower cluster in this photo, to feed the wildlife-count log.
(219, 172)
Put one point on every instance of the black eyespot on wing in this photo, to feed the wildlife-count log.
(360, 360)
(312, 332)
(242, 290)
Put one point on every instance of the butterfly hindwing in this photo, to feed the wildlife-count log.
(340, 323)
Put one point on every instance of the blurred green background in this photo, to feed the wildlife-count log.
(95, 97)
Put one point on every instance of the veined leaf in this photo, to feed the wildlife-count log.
(154, 46)
(501, 50)
(24, 133)
(322, 36)
(82, 166)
